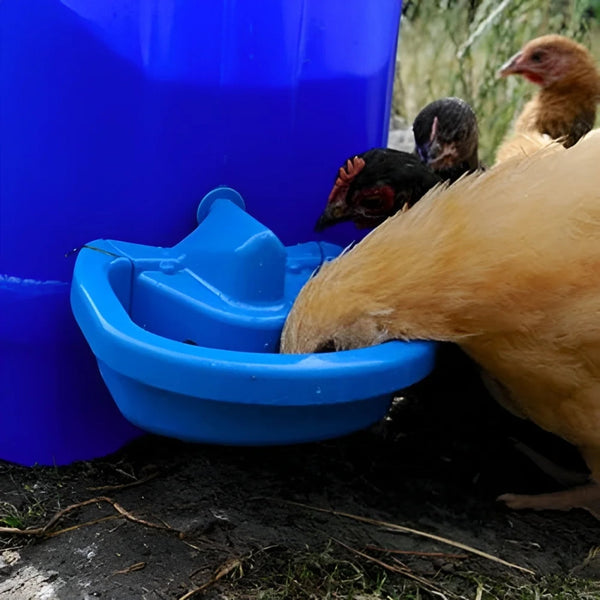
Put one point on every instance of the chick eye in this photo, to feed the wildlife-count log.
(537, 57)
(372, 202)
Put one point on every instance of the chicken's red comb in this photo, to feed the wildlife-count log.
(346, 174)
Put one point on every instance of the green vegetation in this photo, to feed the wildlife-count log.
(11, 516)
(455, 47)
(330, 575)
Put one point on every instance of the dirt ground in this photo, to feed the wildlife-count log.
(174, 520)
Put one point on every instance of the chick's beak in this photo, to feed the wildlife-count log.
(442, 155)
(512, 66)
(334, 212)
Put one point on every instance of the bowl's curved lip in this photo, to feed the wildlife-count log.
(232, 375)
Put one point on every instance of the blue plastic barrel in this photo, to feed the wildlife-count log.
(116, 117)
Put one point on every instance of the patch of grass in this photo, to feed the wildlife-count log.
(36, 492)
(330, 574)
(548, 587)
(11, 516)
(324, 575)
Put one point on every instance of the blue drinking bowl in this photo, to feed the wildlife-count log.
(187, 337)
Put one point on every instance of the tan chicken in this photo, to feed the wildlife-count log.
(524, 143)
(564, 108)
(507, 265)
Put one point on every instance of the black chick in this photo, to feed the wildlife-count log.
(446, 138)
(374, 185)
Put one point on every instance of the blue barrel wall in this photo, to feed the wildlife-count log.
(116, 117)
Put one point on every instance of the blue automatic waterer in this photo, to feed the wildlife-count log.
(187, 337)
(116, 117)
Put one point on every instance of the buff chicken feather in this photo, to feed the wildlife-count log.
(505, 264)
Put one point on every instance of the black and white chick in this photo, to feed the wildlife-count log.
(447, 138)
